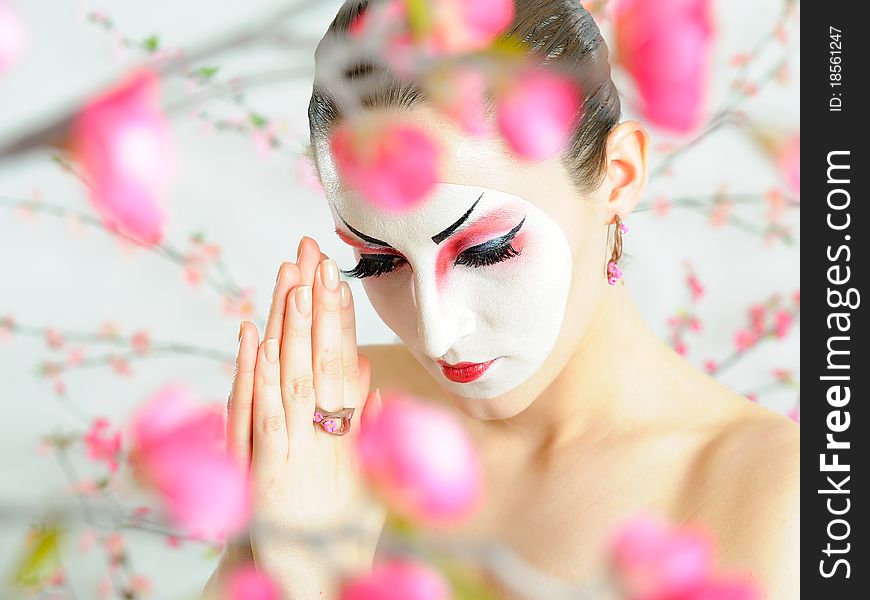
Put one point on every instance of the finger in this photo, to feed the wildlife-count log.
(349, 350)
(307, 257)
(365, 376)
(241, 399)
(297, 380)
(288, 277)
(269, 424)
(327, 365)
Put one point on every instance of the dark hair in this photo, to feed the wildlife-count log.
(558, 32)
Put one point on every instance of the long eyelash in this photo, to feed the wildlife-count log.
(491, 252)
(488, 257)
(373, 265)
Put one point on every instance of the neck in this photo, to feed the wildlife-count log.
(607, 385)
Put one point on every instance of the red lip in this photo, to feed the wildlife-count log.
(464, 372)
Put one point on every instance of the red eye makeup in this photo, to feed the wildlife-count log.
(492, 239)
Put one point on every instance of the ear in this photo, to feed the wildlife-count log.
(627, 171)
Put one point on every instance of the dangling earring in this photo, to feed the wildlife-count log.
(614, 273)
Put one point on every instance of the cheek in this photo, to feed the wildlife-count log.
(392, 299)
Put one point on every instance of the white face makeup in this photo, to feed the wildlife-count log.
(474, 275)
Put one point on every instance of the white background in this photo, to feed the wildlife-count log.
(50, 275)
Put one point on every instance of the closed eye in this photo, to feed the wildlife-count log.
(374, 265)
(488, 253)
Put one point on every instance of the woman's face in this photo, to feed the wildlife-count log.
(500, 266)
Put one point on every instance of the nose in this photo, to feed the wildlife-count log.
(442, 318)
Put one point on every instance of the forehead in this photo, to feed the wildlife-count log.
(468, 164)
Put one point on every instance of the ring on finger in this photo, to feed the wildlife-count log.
(334, 422)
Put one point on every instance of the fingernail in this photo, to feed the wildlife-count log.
(329, 274)
(241, 329)
(299, 248)
(271, 350)
(303, 300)
(345, 294)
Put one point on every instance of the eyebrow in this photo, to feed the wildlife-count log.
(440, 237)
(437, 238)
(361, 235)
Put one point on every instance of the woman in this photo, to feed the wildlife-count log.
(498, 286)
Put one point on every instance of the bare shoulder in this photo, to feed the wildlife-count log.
(750, 476)
(395, 368)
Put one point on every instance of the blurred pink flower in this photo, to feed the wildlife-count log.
(665, 47)
(783, 320)
(141, 342)
(178, 450)
(13, 37)
(444, 27)
(468, 25)
(101, 445)
(54, 338)
(122, 141)
(795, 414)
(459, 93)
(398, 579)
(395, 454)
(392, 164)
(696, 288)
(247, 583)
(790, 164)
(536, 112)
(743, 339)
(653, 561)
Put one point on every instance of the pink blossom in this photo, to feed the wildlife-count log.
(395, 453)
(394, 165)
(536, 112)
(247, 583)
(468, 25)
(695, 287)
(141, 342)
(710, 365)
(178, 450)
(141, 585)
(75, 356)
(115, 545)
(652, 561)
(783, 320)
(54, 338)
(648, 558)
(661, 205)
(680, 348)
(459, 93)
(775, 204)
(447, 27)
(13, 37)
(101, 445)
(398, 579)
(122, 140)
(790, 163)
(744, 339)
(795, 414)
(665, 47)
(757, 316)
